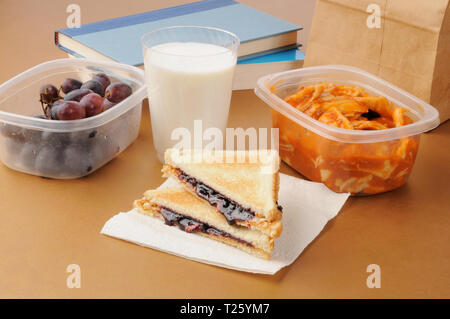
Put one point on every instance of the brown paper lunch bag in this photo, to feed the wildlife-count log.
(406, 42)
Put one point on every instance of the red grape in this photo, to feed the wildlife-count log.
(68, 110)
(49, 94)
(107, 104)
(94, 86)
(92, 104)
(77, 95)
(70, 84)
(118, 92)
(103, 79)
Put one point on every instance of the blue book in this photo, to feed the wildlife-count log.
(120, 39)
(282, 56)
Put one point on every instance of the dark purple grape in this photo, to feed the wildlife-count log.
(33, 136)
(103, 79)
(110, 147)
(95, 86)
(28, 154)
(92, 104)
(118, 92)
(13, 148)
(52, 112)
(49, 94)
(68, 110)
(48, 161)
(57, 140)
(107, 104)
(77, 95)
(70, 84)
(10, 131)
(76, 160)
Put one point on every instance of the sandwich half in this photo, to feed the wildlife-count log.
(242, 186)
(178, 207)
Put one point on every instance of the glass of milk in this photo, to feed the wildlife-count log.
(189, 73)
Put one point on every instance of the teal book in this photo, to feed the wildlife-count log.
(281, 56)
(119, 39)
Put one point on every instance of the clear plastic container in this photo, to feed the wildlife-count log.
(66, 149)
(355, 161)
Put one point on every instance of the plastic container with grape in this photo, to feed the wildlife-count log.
(360, 162)
(64, 149)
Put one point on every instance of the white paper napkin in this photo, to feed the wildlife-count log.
(307, 207)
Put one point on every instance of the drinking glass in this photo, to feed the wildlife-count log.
(189, 73)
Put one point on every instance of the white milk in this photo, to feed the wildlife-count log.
(186, 82)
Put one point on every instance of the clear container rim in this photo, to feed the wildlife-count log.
(76, 125)
(429, 121)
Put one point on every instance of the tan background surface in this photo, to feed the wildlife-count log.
(47, 224)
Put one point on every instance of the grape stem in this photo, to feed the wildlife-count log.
(42, 105)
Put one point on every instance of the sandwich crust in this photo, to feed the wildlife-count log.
(183, 202)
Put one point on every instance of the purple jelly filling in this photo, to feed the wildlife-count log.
(227, 207)
(191, 225)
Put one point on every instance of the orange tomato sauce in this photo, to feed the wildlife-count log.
(358, 168)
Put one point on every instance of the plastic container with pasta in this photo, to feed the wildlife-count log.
(333, 140)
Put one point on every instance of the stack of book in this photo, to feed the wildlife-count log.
(268, 44)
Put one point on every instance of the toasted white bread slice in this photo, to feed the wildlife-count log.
(271, 228)
(249, 178)
(182, 202)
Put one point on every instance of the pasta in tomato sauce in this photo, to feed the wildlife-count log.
(358, 168)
